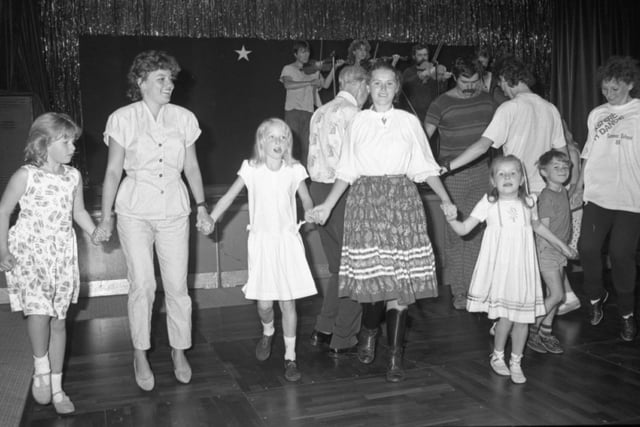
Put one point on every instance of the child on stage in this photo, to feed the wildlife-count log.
(278, 269)
(506, 280)
(39, 253)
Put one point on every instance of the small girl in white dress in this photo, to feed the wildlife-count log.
(39, 253)
(278, 269)
(506, 279)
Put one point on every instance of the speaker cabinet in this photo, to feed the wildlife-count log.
(16, 116)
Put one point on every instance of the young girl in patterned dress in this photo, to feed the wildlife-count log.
(278, 269)
(39, 253)
(506, 280)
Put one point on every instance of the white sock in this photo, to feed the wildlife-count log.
(268, 329)
(499, 354)
(570, 296)
(626, 316)
(56, 386)
(290, 348)
(41, 364)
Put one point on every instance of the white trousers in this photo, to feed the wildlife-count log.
(171, 240)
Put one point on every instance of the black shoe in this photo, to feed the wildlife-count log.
(319, 338)
(263, 348)
(595, 310)
(629, 329)
(367, 345)
(291, 372)
(343, 353)
(396, 327)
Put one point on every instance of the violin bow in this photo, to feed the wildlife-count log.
(375, 52)
(434, 59)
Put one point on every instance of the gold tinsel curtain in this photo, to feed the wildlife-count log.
(520, 27)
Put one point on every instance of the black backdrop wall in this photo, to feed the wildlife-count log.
(229, 95)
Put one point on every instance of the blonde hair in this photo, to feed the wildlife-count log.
(259, 157)
(47, 128)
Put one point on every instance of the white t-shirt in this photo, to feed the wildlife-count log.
(302, 98)
(389, 143)
(527, 126)
(612, 153)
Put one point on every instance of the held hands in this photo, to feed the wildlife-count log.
(569, 252)
(205, 224)
(7, 262)
(102, 232)
(450, 211)
(318, 215)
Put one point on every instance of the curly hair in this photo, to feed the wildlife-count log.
(514, 71)
(621, 68)
(46, 129)
(144, 64)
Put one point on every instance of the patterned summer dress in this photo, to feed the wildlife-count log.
(506, 281)
(45, 279)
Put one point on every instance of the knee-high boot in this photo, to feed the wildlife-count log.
(371, 317)
(396, 325)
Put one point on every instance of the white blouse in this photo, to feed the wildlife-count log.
(386, 143)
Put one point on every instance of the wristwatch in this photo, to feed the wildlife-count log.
(202, 204)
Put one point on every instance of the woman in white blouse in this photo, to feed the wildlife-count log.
(387, 260)
(153, 141)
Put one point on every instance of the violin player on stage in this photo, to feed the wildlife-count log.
(422, 82)
(359, 53)
(301, 85)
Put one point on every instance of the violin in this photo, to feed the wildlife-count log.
(434, 70)
(390, 58)
(323, 65)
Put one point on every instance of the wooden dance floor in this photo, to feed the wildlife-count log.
(449, 381)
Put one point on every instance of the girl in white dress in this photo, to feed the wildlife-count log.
(278, 269)
(39, 253)
(506, 279)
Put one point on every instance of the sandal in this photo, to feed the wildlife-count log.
(64, 406)
(41, 388)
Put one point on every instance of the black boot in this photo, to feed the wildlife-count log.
(396, 325)
(371, 317)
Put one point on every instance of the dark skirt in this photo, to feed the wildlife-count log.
(386, 252)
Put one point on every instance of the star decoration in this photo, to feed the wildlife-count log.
(243, 53)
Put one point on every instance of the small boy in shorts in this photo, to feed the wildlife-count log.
(554, 212)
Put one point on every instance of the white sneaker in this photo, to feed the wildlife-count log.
(568, 306)
(517, 376)
(498, 365)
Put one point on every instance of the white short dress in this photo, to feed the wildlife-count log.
(506, 279)
(278, 268)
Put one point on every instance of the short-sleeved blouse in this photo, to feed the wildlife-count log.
(155, 151)
(386, 143)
